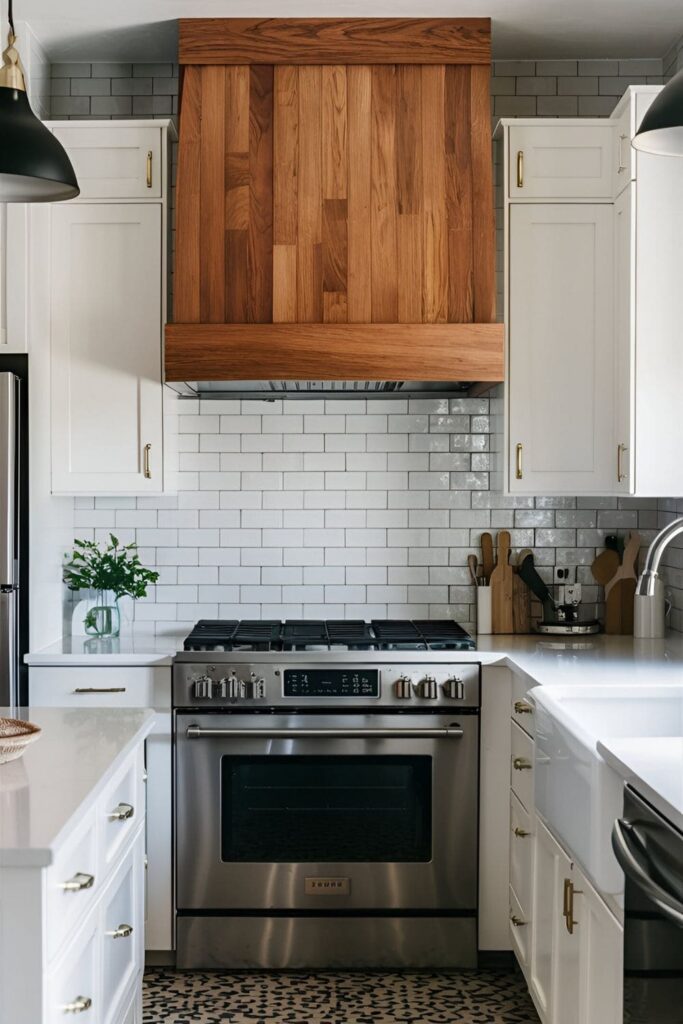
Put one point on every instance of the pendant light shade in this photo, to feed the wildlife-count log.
(34, 166)
(661, 130)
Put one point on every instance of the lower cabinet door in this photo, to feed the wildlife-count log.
(545, 913)
(601, 959)
(72, 988)
(122, 926)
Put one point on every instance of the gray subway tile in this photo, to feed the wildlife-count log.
(515, 106)
(111, 106)
(557, 106)
(131, 86)
(578, 85)
(165, 86)
(514, 67)
(75, 69)
(532, 86)
(596, 106)
(105, 69)
(556, 67)
(68, 106)
(641, 66)
(153, 70)
(598, 67)
(90, 87)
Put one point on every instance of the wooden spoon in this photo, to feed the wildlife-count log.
(502, 582)
(605, 566)
(472, 566)
(487, 555)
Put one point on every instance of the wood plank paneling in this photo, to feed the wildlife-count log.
(334, 157)
(212, 198)
(309, 264)
(188, 222)
(435, 237)
(236, 192)
(409, 193)
(359, 85)
(334, 40)
(285, 154)
(284, 283)
(483, 223)
(445, 352)
(459, 195)
(260, 231)
(383, 209)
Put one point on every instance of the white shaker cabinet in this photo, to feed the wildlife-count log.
(107, 434)
(98, 280)
(552, 162)
(561, 338)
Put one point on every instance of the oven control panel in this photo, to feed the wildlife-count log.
(332, 682)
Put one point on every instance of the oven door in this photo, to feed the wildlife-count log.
(322, 812)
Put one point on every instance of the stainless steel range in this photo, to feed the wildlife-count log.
(326, 799)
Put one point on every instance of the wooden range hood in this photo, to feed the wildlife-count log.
(334, 203)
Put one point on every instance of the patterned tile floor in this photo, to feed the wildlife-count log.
(464, 997)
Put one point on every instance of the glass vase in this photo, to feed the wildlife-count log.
(103, 617)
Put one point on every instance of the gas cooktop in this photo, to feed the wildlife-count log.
(330, 635)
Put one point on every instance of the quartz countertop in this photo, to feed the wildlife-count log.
(654, 767)
(137, 649)
(61, 775)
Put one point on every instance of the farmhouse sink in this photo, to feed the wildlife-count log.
(577, 793)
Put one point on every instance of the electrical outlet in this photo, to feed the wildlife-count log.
(564, 574)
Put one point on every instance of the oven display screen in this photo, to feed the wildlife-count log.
(339, 682)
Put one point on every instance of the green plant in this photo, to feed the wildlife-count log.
(115, 567)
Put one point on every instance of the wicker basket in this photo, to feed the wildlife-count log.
(15, 736)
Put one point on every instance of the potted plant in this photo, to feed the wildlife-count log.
(112, 572)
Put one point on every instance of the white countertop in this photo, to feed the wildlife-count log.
(130, 649)
(654, 767)
(61, 775)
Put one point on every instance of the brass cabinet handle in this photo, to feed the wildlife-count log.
(79, 1005)
(518, 922)
(568, 904)
(146, 467)
(122, 932)
(122, 812)
(80, 881)
(621, 448)
(521, 833)
(99, 689)
(149, 169)
(622, 166)
(520, 168)
(518, 461)
(523, 707)
(521, 764)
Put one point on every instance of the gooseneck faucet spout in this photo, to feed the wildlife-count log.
(647, 581)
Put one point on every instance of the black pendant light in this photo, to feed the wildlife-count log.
(34, 167)
(661, 130)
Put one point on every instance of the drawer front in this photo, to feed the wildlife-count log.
(520, 933)
(122, 927)
(121, 808)
(522, 710)
(72, 987)
(115, 163)
(521, 854)
(522, 766)
(73, 882)
(559, 162)
(109, 686)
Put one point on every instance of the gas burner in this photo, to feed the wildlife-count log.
(333, 635)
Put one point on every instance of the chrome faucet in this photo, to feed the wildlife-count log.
(647, 581)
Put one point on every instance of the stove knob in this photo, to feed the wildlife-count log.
(229, 687)
(427, 688)
(403, 688)
(220, 690)
(254, 689)
(454, 688)
(201, 688)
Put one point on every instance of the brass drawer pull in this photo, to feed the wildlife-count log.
(520, 168)
(521, 764)
(147, 469)
(99, 689)
(122, 812)
(79, 882)
(521, 833)
(568, 904)
(122, 932)
(518, 922)
(518, 461)
(79, 1005)
(621, 448)
(522, 707)
(149, 169)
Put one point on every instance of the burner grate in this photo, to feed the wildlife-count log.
(302, 633)
(257, 633)
(396, 631)
(208, 634)
(350, 633)
(443, 633)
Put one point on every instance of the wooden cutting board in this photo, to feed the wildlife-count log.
(521, 605)
(502, 588)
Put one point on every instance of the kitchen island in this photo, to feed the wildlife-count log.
(72, 834)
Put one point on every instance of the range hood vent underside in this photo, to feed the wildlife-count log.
(298, 389)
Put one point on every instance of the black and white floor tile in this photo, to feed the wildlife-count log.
(466, 997)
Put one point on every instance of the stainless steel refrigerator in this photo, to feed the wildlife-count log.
(13, 531)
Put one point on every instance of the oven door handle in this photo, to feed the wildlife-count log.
(196, 732)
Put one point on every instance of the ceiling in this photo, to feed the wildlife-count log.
(145, 29)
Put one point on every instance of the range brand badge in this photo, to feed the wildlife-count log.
(327, 886)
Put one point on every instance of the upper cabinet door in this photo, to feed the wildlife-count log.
(561, 349)
(561, 162)
(106, 348)
(114, 163)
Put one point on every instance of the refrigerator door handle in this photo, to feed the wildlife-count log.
(8, 479)
(9, 693)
